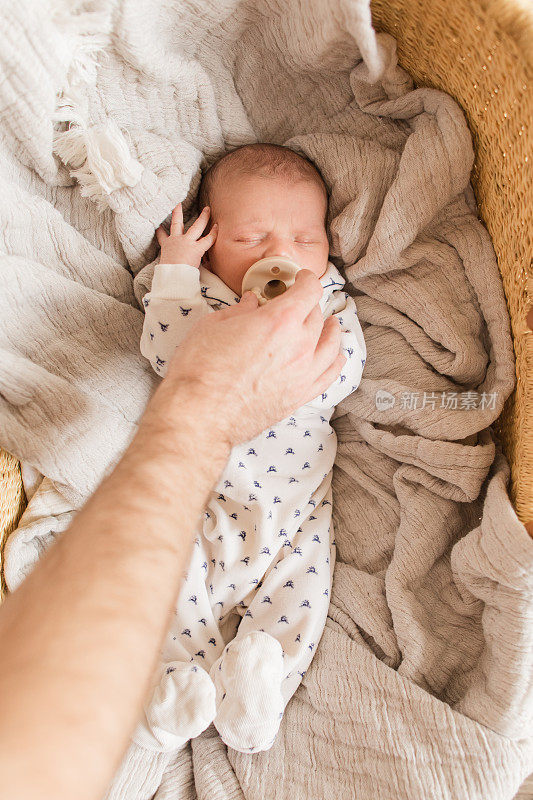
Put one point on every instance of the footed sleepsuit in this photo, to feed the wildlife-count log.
(253, 605)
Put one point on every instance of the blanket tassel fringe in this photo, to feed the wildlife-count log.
(99, 156)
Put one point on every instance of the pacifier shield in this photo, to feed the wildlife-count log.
(269, 277)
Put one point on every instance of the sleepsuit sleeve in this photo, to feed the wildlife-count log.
(342, 306)
(172, 307)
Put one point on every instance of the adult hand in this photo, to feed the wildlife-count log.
(250, 366)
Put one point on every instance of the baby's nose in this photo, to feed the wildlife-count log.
(280, 248)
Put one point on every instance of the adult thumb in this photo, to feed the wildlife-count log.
(249, 299)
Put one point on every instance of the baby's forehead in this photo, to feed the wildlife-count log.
(233, 179)
(250, 199)
(299, 221)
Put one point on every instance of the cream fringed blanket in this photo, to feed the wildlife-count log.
(421, 685)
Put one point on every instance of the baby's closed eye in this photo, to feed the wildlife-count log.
(253, 241)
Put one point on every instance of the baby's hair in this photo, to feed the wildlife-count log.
(262, 159)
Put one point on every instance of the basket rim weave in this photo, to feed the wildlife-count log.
(515, 17)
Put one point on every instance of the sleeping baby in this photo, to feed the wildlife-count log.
(254, 601)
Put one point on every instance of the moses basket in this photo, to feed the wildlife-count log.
(481, 53)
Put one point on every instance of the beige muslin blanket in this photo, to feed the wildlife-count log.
(109, 111)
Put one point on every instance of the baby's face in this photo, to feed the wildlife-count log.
(259, 217)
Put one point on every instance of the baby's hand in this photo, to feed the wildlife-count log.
(185, 248)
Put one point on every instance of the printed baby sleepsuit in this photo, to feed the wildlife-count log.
(253, 605)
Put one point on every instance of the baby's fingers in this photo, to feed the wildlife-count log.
(161, 235)
(209, 239)
(199, 224)
(176, 224)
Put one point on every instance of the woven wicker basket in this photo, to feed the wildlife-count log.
(481, 53)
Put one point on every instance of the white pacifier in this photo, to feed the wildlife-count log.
(269, 277)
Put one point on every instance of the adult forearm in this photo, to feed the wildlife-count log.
(80, 636)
